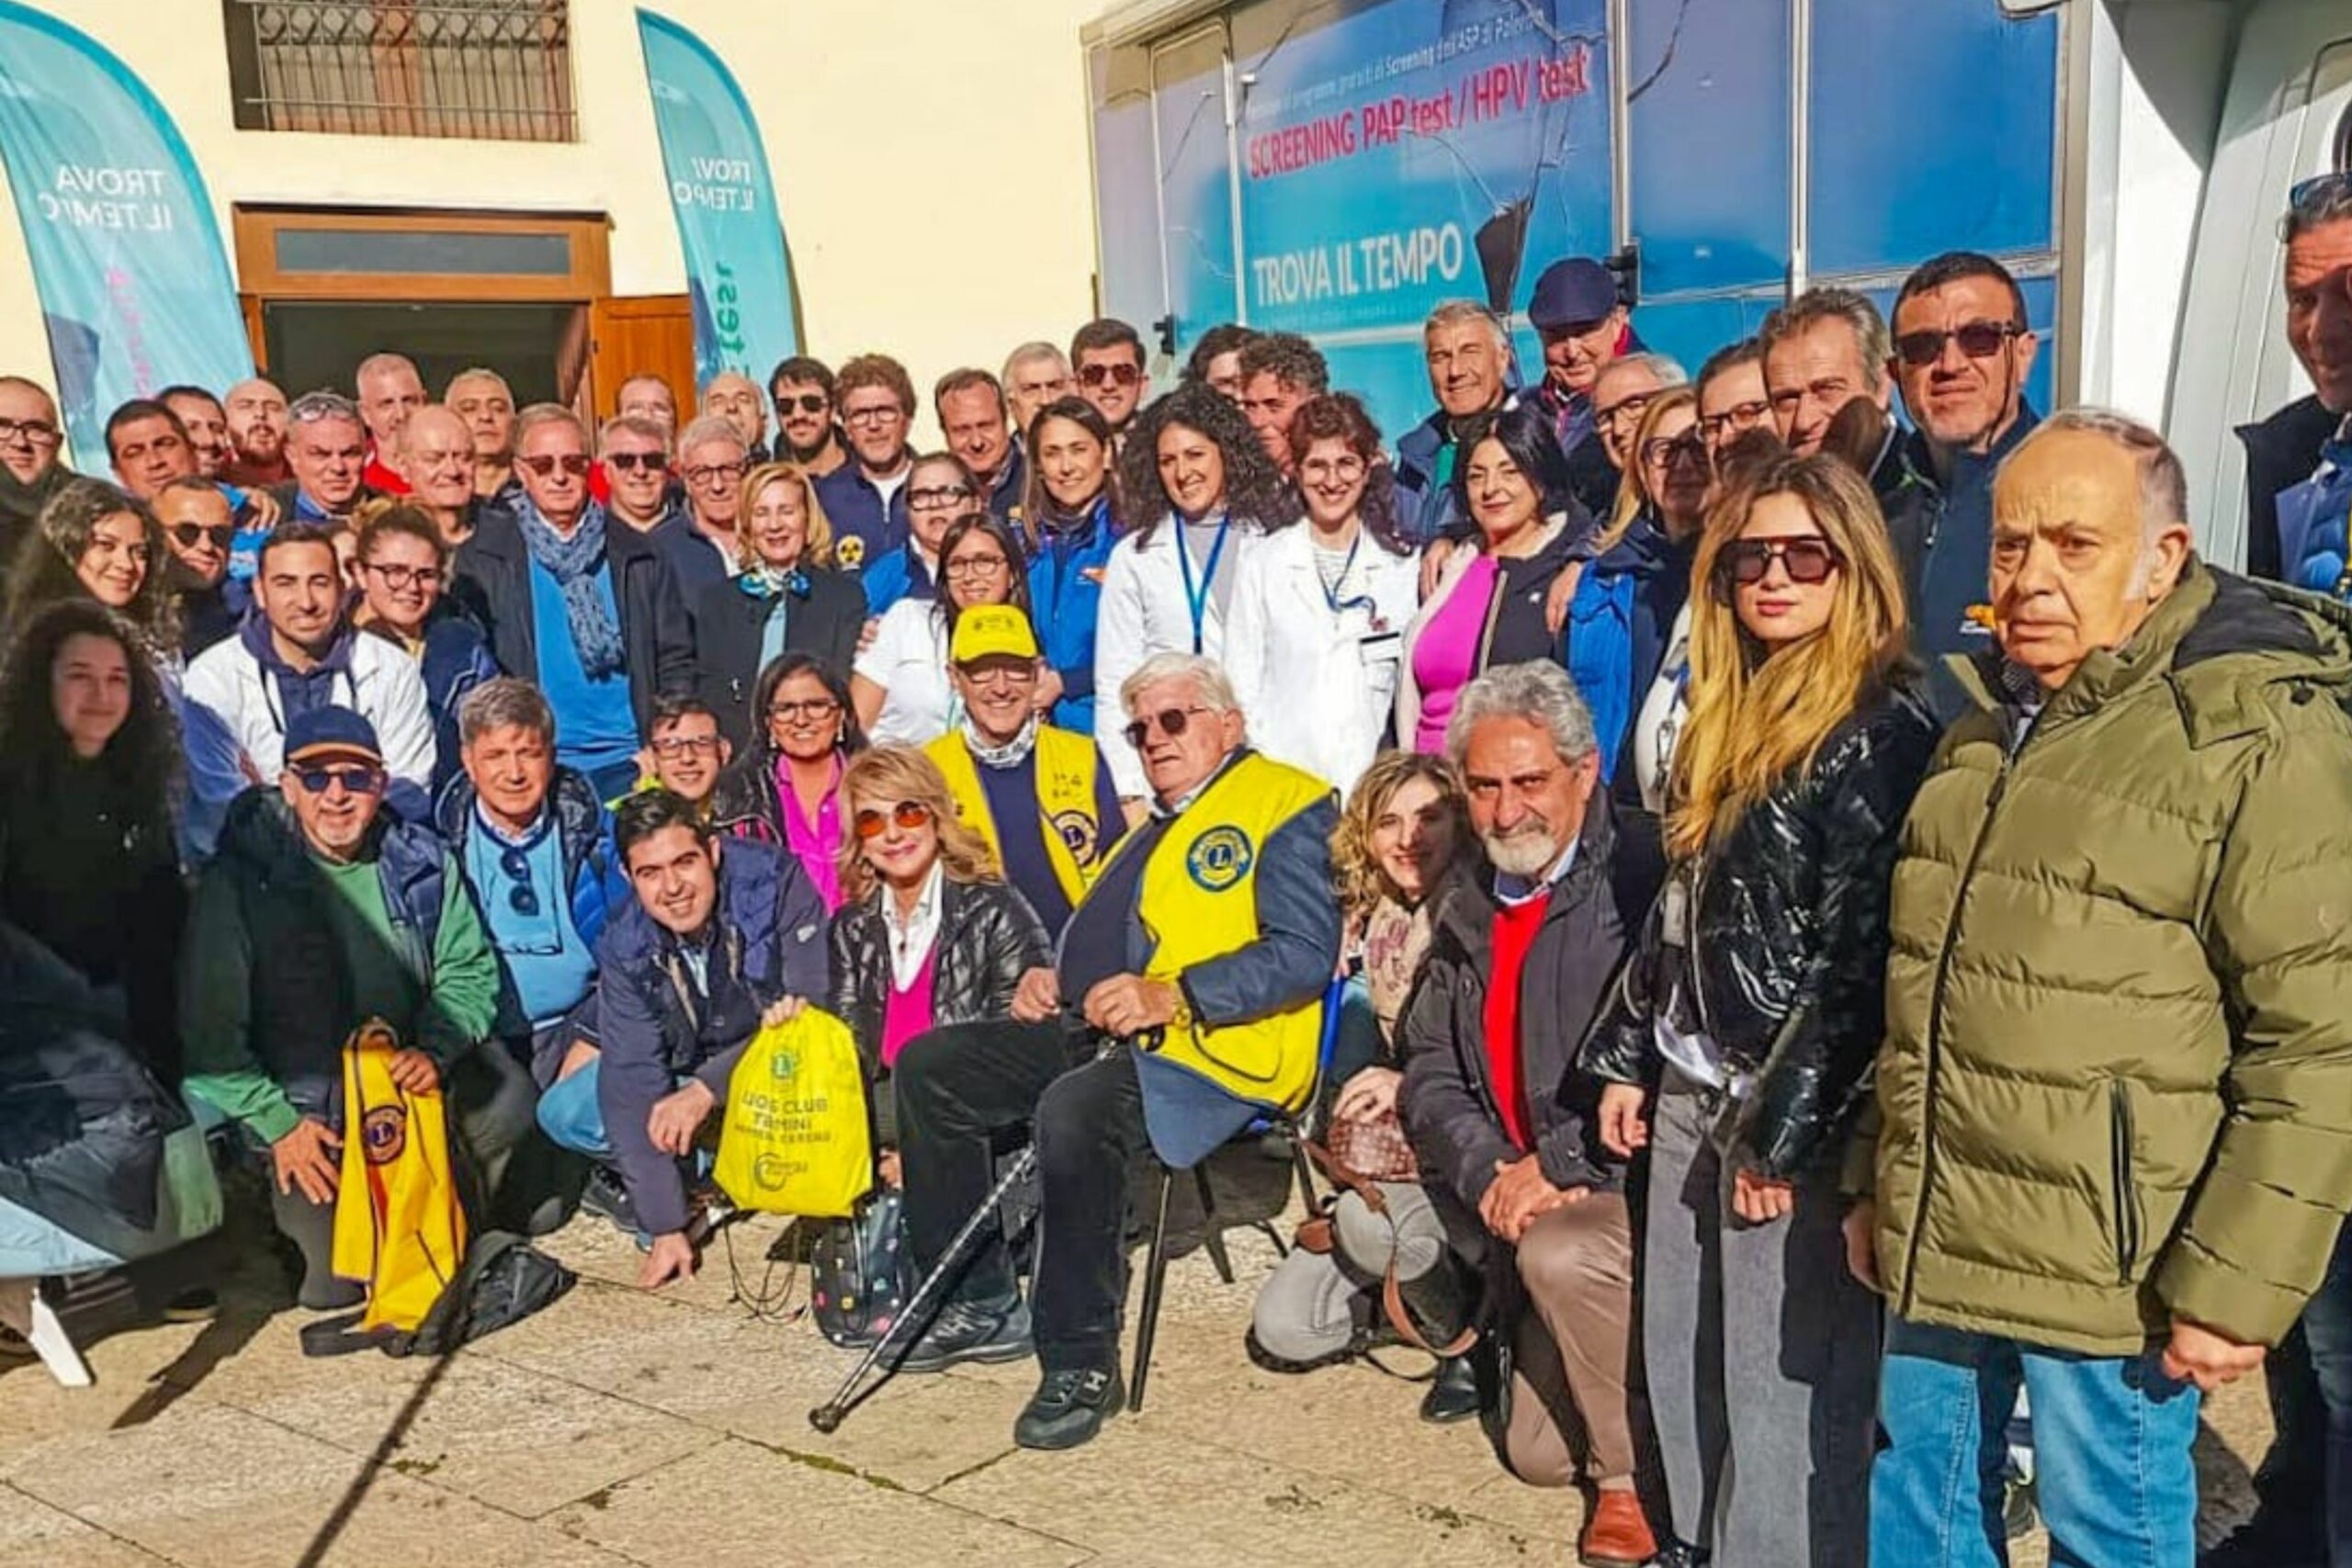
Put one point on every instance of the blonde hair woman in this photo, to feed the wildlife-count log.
(1751, 1009)
(787, 598)
(929, 935)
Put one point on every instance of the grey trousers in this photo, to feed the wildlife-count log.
(1311, 1305)
(1762, 1355)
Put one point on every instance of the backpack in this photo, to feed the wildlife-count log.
(504, 1279)
(860, 1274)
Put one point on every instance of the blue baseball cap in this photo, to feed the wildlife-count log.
(1576, 292)
(316, 733)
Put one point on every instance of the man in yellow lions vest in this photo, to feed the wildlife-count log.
(1208, 936)
(1042, 797)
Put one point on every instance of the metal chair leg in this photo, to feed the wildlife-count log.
(1213, 1235)
(1154, 1277)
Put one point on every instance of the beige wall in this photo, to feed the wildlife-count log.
(929, 155)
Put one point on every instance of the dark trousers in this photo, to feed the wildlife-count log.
(490, 1103)
(957, 1089)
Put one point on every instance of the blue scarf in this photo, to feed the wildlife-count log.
(574, 563)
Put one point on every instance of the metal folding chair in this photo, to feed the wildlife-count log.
(1287, 1124)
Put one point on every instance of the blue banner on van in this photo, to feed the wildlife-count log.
(134, 287)
(737, 274)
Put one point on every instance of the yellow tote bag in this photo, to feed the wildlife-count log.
(398, 1226)
(793, 1139)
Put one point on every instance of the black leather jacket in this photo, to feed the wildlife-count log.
(1785, 968)
(988, 938)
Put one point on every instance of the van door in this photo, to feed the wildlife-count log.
(2287, 115)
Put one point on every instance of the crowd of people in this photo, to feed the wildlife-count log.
(1822, 913)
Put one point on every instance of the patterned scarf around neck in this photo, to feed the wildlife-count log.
(574, 563)
(1011, 754)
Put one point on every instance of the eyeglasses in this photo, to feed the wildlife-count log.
(1809, 561)
(806, 402)
(880, 413)
(910, 814)
(931, 498)
(1172, 722)
(36, 432)
(1660, 451)
(629, 462)
(670, 748)
(359, 780)
(400, 579)
(965, 568)
(1099, 374)
(1623, 407)
(1739, 417)
(187, 534)
(714, 473)
(520, 896)
(1978, 340)
(807, 709)
(545, 463)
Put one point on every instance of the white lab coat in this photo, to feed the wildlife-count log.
(236, 736)
(1144, 612)
(1319, 687)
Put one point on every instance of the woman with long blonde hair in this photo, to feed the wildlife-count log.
(929, 934)
(1736, 1045)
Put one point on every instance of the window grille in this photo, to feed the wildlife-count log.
(496, 70)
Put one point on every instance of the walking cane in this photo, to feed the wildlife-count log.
(828, 1416)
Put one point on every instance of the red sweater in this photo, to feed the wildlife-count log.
(1514, 934)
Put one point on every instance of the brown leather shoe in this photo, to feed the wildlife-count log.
(1617, 1535)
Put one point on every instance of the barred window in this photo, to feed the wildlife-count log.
(496, 70)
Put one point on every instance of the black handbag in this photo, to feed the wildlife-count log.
(860, 1276)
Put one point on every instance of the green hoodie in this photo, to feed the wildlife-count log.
(2117, 1082)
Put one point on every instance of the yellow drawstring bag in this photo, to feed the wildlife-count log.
(794, 1138)
(398, 1226)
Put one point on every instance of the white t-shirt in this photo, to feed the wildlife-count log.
(907, 658)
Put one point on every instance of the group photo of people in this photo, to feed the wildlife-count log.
(1796, 910)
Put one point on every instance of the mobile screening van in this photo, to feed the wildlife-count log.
(1336, 167)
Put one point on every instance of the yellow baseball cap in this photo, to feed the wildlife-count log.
(989, 631)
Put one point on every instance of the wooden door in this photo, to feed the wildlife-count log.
(650, 334)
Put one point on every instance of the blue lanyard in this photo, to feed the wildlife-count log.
(1340, 607)
(1198, 599)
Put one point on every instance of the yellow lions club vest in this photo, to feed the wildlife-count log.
(396, 1223)
(1076, 839)
(1199, 901)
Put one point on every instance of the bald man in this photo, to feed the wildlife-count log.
(737, 400)
(256, 414)
(389, 390)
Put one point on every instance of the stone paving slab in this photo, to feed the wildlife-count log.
(32, 1531)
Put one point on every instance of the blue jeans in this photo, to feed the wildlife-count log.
(570, 1115)
(2111, 1438)
(2327, 1328)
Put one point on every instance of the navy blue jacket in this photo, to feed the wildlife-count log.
(864, 528)
(2281, 453)
(827, 612)
(493, 585)
(455, 660)
(1066, 591)
(767, 942)
(1951, 570)
(899, 575)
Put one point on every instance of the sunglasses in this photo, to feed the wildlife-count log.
(1104, 375)
(806, 402)
(1978, 340)
(544, 463)
(910, 814)
(520, 896)
(629, 462)
(358, 781)
(1172, 722)
(186, 536)
(1747, 562)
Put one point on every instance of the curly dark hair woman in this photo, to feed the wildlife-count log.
(98, 543)
(89, 758)
(1253, 493)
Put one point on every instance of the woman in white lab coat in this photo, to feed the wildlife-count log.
(1208, 496)
(1317, 621)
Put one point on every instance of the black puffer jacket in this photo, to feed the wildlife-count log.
(988, 938)
(1786, 968)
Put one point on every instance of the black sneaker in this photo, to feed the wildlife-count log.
(1674, 1553)
(982, 1332)
(606, 1197)
(2260, 1542)
(197, 1303)
(1069, 1407)
(1453, 1397)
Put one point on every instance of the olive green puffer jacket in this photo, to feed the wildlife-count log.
(2117, 1081)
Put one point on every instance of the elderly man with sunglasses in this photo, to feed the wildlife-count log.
(1202, 946)
(1962, 354)
(589, 613)
(321, 912)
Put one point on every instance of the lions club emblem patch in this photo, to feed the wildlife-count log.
(1219, 858)
(383, 1134)
(1077, 829)
(850, 550)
